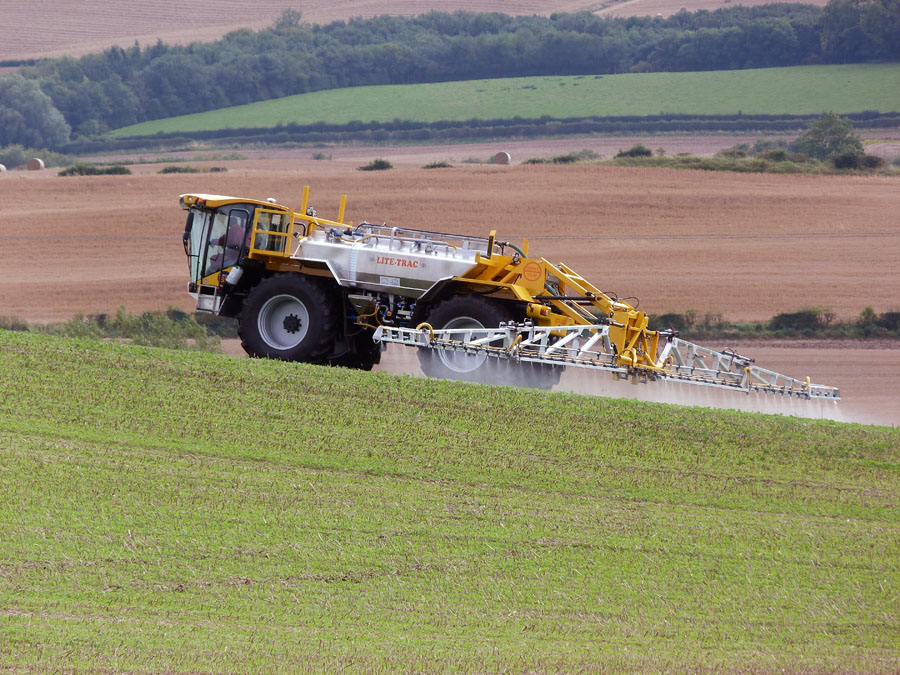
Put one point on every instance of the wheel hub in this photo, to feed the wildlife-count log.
(458, 362)
(292, 323)
(283, 321)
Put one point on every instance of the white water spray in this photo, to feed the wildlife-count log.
(404, 361)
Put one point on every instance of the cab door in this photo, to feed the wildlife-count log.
(227, 241)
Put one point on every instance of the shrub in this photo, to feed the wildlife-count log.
(805, 321)
(438, 165)
(845, 160)
(889, 321)
(321, 155)
(670, 320)
(778, 155)
(735, 151)
(173, 329)
(637, 150)
(764, 145)
(222, 326)
(871, 162)
(179, 169)
(827, 136)
(11, 322)
(93, 170)
(853, 160)
(377, 165)
(15, 155)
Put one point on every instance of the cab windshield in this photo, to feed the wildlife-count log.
(217, 239)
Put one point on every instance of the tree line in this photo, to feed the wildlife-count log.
(118, 87)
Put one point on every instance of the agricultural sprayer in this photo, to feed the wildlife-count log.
(304, 288)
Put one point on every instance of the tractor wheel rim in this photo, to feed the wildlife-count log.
(283, 322)
(456, 361)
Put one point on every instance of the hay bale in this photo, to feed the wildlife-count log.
(502, 158)
(35, 164)
(2, 168)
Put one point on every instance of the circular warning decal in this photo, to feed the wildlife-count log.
(532, 271)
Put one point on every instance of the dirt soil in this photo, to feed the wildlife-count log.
(744, 246)
(45, 28)
(667, 8)
(41, 28)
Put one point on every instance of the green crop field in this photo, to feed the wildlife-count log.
(799, 90)
(175, 511)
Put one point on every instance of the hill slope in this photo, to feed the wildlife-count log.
(799, 90)
(172, 511)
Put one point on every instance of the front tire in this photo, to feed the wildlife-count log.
(290, 318)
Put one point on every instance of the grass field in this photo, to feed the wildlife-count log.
(804, 89)
(187, 512)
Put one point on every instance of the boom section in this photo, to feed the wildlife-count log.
(592, 347)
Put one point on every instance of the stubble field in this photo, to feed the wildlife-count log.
(747, 247)
(669, 7)
(57, 28)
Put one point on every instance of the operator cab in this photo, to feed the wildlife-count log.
(216, 240)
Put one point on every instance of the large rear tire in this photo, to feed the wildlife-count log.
(462, 312)
(474, 311)
(291, 318)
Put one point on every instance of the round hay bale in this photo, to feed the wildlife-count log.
(2, 168)
(35, 164)
(502, 158)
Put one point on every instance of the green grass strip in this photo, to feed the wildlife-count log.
(174, 511)
(797, 90)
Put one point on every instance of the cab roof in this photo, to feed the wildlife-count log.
(215, 201)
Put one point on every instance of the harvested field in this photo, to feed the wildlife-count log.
(669, 7)
(882, 142)
(745, 246)
(57, 28)
(43, 28)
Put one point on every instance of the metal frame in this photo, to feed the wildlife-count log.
(590, 347)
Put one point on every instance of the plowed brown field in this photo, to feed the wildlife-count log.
(668, 7)
(745, 246)
(41, 28)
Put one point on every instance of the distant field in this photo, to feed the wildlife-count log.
(69, 27)
(72, 28)
(197, 513)
(669, 7)
(803, 89)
